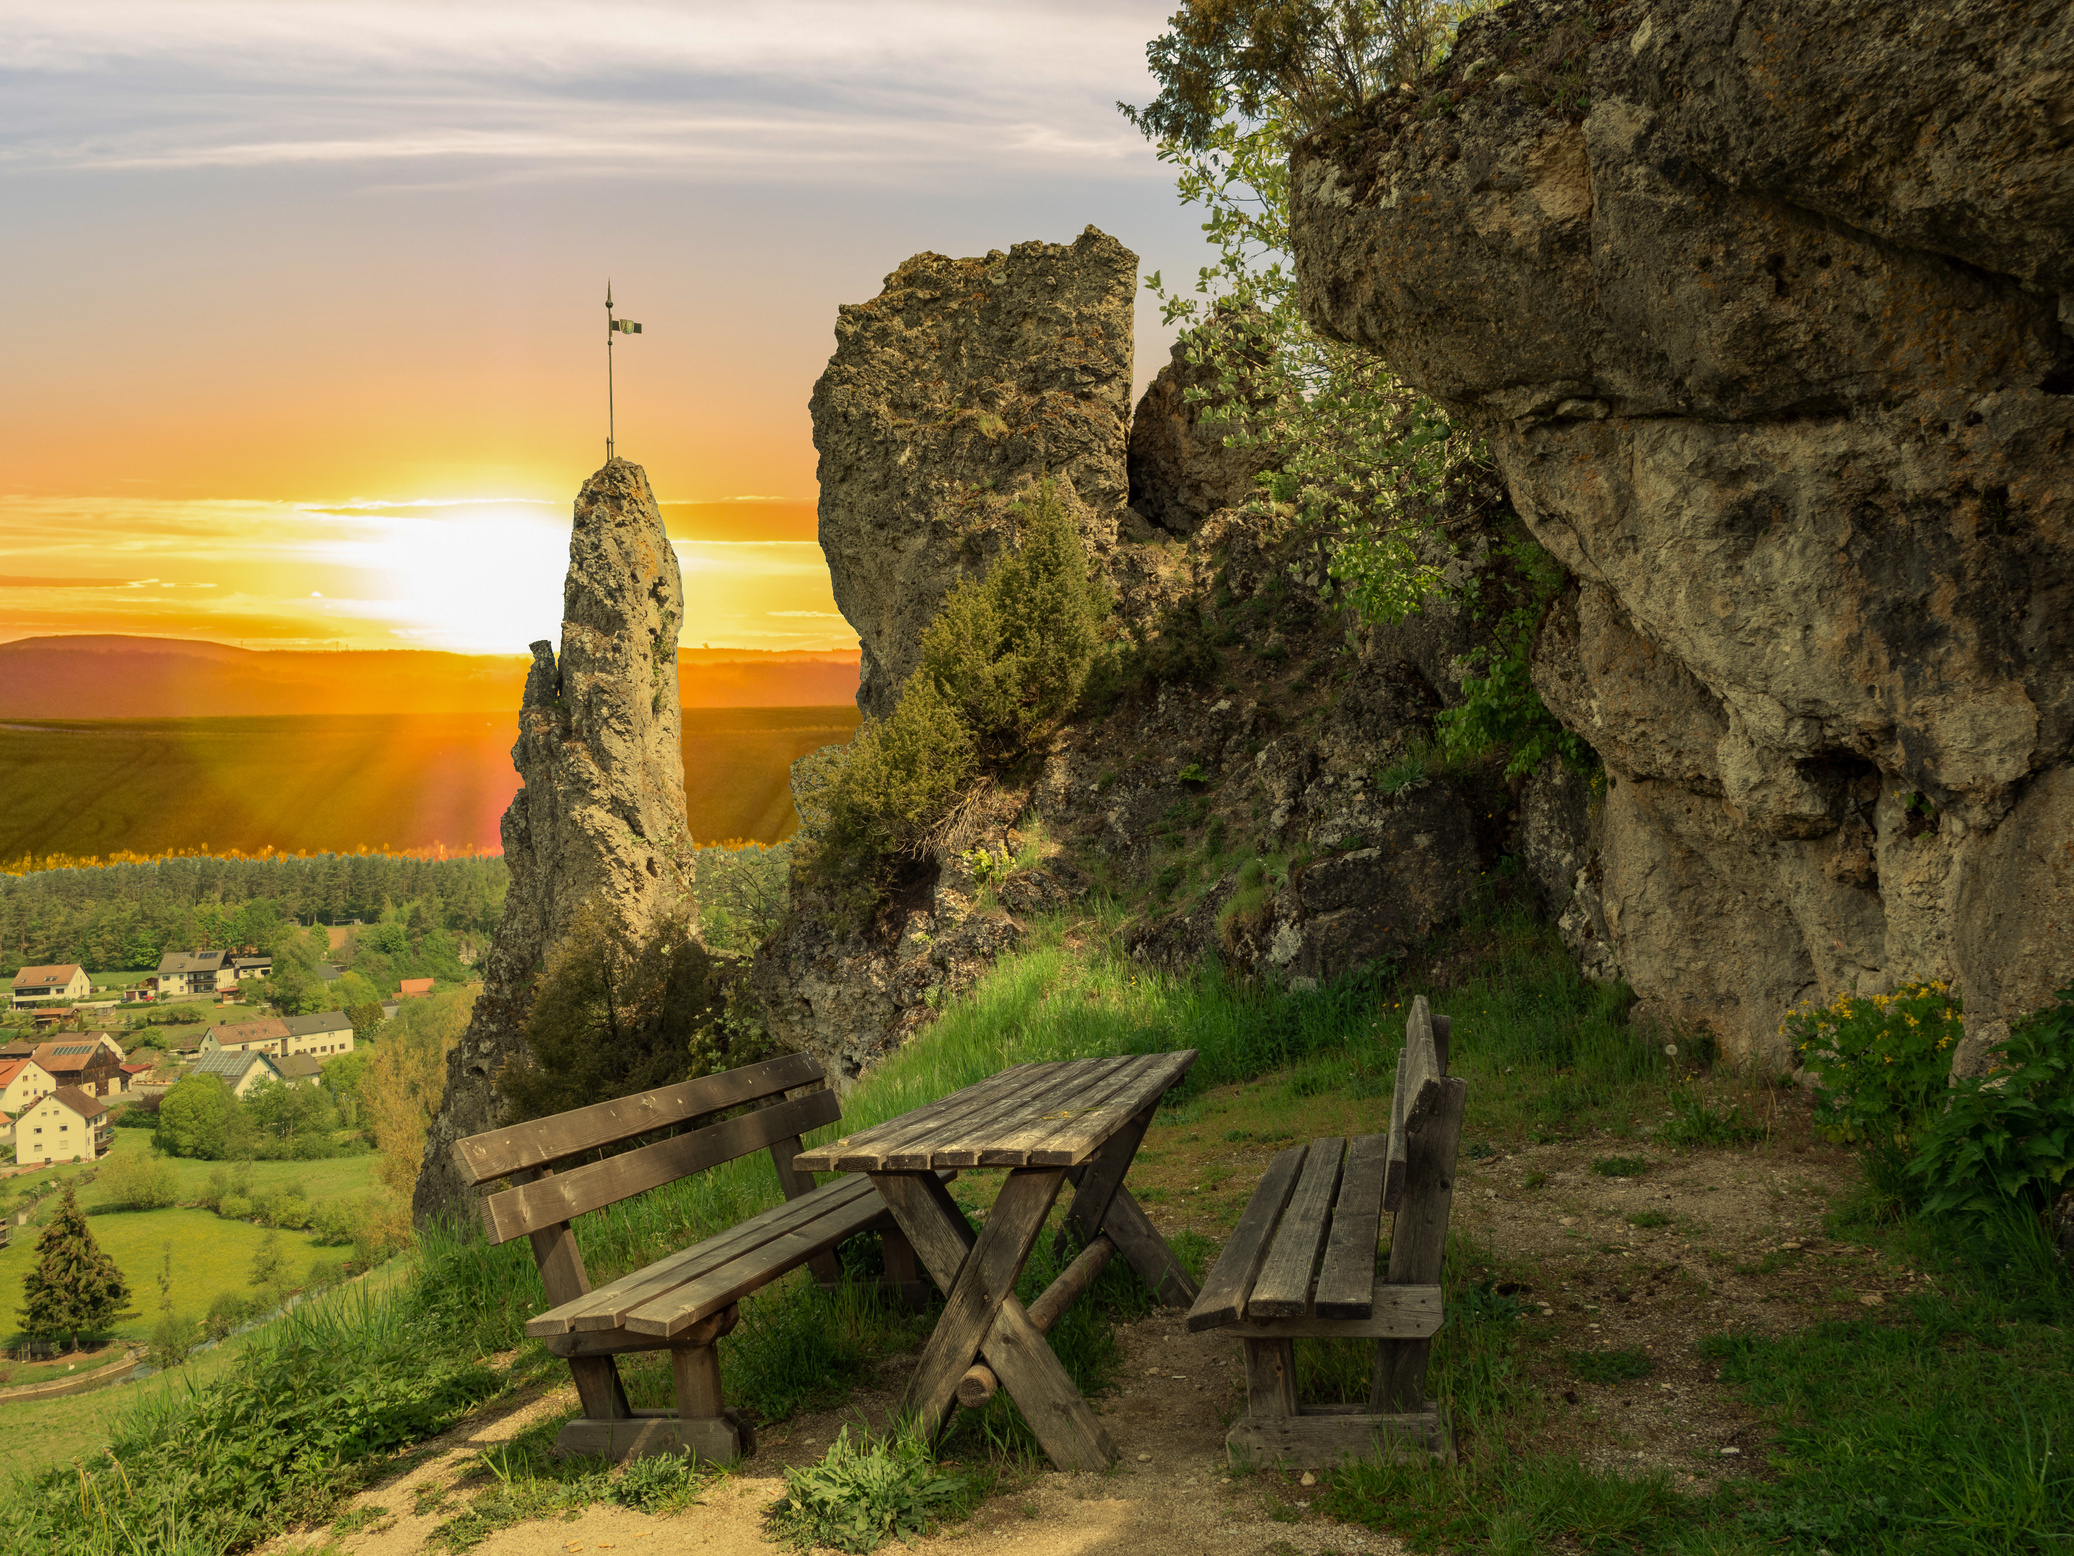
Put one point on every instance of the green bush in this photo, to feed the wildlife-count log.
(136, 1181)
(2007, 1136)
(198, 1117)
(863, 1494)
(614, 1015)
(901, 774)
(1879, 1061)
(235, 1207)
(226, 1314)
(173, 1339)
(1011, 652)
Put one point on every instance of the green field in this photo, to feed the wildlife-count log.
(210, 1255)
(328, 783)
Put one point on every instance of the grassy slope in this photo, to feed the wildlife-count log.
(1884, 1421)
(210, 1255)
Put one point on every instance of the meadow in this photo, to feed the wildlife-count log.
(209, 1254)
(338, 783)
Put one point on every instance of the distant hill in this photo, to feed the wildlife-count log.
(116, 677)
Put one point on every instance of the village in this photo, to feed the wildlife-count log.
(60, 1084)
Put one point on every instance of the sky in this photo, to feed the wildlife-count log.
(303, 303)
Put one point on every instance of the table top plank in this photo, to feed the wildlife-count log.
(969, 1144)
(910, 1150)
(1346, 1280)
(1129, 1093)
(1284, 1287)
(860, 1151)
(1062, 1110)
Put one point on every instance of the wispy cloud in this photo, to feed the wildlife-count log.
(795, 90)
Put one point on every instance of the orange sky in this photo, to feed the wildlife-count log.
(304, 339)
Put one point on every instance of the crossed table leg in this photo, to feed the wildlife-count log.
(983, 1317)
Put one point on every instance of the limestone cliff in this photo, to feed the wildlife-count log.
(961, 381)
(599, 819)
(1765, 307)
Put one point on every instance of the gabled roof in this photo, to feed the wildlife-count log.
(296, 1066)
(264, 1030)
(190, 962)
(233, 1067)
(70, 1051)
(138, 1069)
(415, 986)
(10, 1068)
(320, 1023)
(54, 976)
(85, 1104)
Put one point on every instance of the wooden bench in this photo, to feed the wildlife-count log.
(1301, 1266)
(686, 1302)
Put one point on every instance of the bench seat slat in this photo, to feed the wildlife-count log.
(566, 1195)
(606, 1306)
(675, 1311)
(1230, 1281)
(1284, 1287)
(1346, 1280)
(498, 1153)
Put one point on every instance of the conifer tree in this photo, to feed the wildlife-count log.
(75, 1288)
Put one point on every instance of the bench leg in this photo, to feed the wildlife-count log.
(701, 1423)
(1270, 1378)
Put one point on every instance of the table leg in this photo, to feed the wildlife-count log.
(982, 1315)
(1097, 1183)
(1139, 1241)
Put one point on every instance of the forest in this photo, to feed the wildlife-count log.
(126, 915)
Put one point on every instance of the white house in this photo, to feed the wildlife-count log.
(68, 1125)
(49, 985)
(239, 1071)
(324, 1034)
(195, 972)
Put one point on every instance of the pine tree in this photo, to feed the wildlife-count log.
(75, 1288)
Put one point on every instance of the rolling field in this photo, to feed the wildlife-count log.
(210, 1255)
(338, 783)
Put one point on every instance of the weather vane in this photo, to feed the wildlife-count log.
(612, 327)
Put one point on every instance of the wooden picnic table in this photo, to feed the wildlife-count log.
(1077, 1121)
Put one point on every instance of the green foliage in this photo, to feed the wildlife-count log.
(135, 1180)
(1010, 652)
(900, 775)
(1620, 1166)
(173, 1339)
(1879, 1061)
(1501, 711)
(863, 1493)
(659, 1483)
(288, 1122)
(1312, 61)
(2007, 1136)
(742, 890)
(613, 1016)
(75, 1289)
(228, 1312)
(1694, 1123)
(198, 1117)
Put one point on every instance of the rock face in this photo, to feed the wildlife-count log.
(599, 821)
(1181, 472)
(958, 384)
(1766, 306)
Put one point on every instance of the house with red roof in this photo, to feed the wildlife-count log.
(415, 988)
(22, 1081)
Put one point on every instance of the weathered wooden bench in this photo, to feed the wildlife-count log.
(1301, 1266)
(686, 1302)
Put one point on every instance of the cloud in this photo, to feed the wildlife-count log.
(797, 90)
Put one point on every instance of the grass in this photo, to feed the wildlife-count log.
(1922, 1426)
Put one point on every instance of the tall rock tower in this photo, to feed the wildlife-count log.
(599, 821)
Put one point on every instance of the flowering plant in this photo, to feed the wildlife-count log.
(1879, 1060)
(2008, 1134)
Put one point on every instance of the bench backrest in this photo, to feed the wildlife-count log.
(531, 1152)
